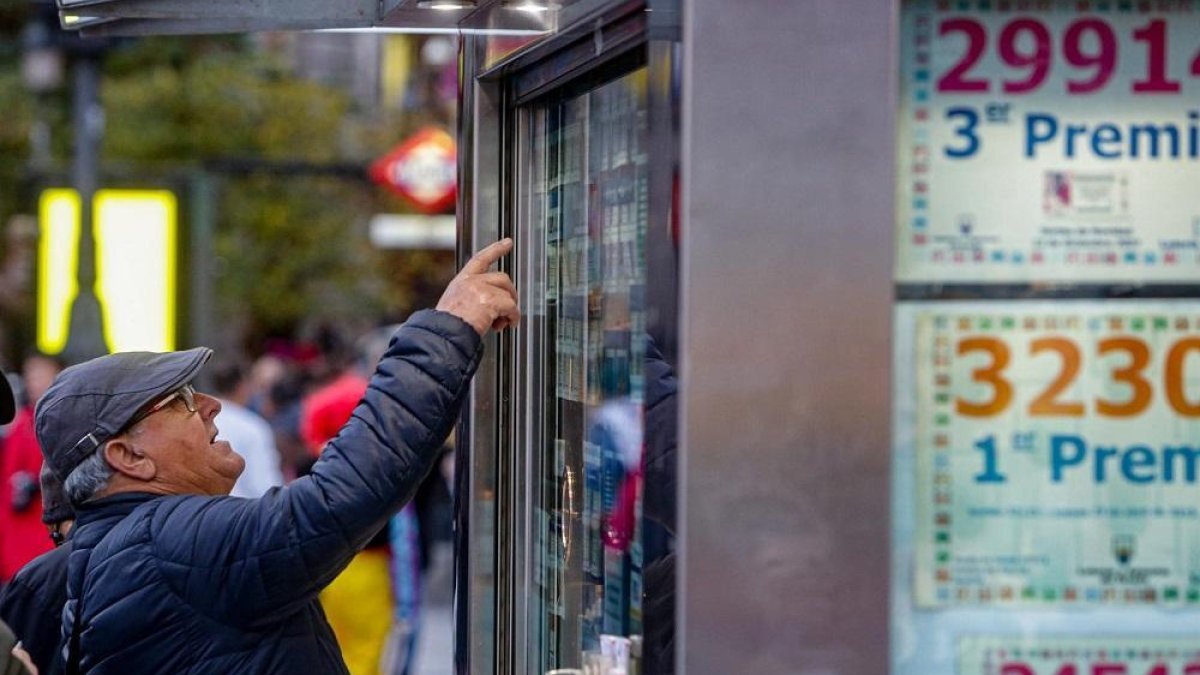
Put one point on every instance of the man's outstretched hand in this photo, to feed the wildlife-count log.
(481, 298)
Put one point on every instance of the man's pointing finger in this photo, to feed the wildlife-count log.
(481, 261)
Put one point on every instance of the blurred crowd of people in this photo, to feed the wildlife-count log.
(278, 412)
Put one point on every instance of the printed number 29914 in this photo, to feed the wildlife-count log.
(1097, 668)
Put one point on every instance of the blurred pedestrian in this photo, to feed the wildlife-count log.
(358, 603)
(281, 409)
(245, 430)
(14, 660)
(32, 603)
(8, 402)
(22, 534)
(170, 575)
(404, 540)
(264, 373)
(370, 604)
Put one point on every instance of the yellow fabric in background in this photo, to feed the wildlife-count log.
(359, 607)
(395, 70)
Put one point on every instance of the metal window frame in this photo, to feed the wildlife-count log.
(603, 45)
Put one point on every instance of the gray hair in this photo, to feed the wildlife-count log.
(87, 479)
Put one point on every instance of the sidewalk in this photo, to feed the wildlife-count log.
(435, 644)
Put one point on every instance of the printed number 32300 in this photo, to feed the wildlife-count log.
(1054, 400)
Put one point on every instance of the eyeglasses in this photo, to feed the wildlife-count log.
(90, 442)
(186, 393)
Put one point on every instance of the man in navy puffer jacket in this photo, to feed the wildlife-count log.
(171, 575)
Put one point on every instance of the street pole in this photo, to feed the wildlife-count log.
(202, 196)
(86, 337)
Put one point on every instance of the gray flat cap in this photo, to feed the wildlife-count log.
(90, 403)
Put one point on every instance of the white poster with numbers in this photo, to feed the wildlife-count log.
(1057, 454)
(1046, 482)
(1049, 140)
(1050, 655)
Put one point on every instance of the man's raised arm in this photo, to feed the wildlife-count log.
(282, 549)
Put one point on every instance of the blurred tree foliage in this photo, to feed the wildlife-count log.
(15, 124)
(216, 99)
(291, 250)
(16, 119)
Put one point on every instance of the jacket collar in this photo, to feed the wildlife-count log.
(110, 510)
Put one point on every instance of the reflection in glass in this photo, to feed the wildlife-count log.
(583, 213)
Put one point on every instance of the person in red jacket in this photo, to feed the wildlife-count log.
(13, 659)
(361, 603)
(22, 534)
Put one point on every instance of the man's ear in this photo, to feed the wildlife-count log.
(128, 461)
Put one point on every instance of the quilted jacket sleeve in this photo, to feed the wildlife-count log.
(251, 562)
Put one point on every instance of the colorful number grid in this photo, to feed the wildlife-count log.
(1056, 656)
(1099, 6)
(920, 89)
(939, 416)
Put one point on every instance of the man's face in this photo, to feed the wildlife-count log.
(181, 444)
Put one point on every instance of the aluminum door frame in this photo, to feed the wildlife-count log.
(475, 525)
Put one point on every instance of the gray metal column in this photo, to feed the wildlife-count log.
(788, 123)
(85, 339)
(202, 229)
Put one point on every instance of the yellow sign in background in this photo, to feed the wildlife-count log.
(136, 252)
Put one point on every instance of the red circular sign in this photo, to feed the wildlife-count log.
(422, 169)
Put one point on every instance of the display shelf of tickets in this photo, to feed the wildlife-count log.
(594, 195)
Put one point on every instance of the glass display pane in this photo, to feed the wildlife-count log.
(583, 212)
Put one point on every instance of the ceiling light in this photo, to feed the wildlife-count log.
(531, 6)
(69, 21)
(446, 4)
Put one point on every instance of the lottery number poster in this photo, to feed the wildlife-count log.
(1048, 140)
(1057, 455)
(1078, 656)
